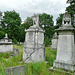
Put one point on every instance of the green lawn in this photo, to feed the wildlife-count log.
(40, 68)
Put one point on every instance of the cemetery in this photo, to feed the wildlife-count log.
(34, 58)
(37, 47)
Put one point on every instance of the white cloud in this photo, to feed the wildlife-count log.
(29, 7)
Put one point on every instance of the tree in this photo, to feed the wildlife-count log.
(59, 20)
(11, 24)
(46, 22)
(28, 22)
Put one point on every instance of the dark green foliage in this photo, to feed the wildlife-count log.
(2, 34)
(46, 22)
(11, 24)
(47, 41)
(28, 22)
(59, 20)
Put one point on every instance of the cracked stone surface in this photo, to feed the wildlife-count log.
(34, 50)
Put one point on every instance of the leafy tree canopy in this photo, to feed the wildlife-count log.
(11, 24)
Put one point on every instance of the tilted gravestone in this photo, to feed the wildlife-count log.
(34, 50)
(66, 50)
(14, 52)
(18, 70)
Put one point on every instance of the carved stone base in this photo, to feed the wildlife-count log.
(33, 54)
(64, 65)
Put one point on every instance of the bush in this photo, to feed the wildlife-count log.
(2, 34)
(15, 41)
(47, 41)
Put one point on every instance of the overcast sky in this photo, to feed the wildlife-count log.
(27, 8)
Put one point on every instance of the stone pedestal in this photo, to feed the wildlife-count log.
(65, 51)
(54, 42)
(6, 44)
(34, 50)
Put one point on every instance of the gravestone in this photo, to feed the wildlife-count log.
(54, 42)
(66, 50)
(6, 44)
(18, 70)
(14, 52)
(34, 49)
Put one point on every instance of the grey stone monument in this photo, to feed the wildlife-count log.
(65, 51)
(17, 70)
(6, 44)
(34, 50)
(54, 42)
(14, 52)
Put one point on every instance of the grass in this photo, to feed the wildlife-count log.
(39, 68)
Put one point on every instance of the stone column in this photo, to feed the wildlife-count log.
(34, 50)
(65, 51)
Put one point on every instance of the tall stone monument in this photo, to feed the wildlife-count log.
(34, 50)
(54, 41)
(65, 51)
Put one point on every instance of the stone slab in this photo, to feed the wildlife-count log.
(18, 70)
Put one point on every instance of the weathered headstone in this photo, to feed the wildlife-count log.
(34, 50)
(18, 70)
(65, 51)
(6, 44)
(14, 52)
(54, 42)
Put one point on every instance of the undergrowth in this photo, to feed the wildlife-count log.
(39, 68)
